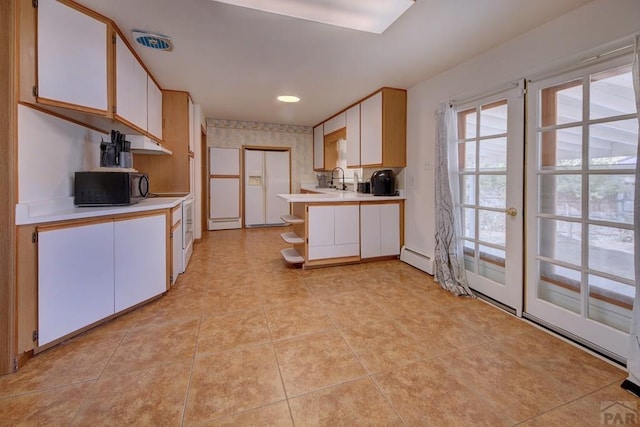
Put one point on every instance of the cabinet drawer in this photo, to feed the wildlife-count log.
(176, 214)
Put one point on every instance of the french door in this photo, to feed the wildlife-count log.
(583, 136)
(490, 177)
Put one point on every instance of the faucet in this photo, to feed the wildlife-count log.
(344, 186)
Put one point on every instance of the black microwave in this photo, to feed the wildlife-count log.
(110, 188)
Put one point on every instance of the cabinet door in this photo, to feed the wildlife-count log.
(224, 202)
(369, 231)
(75, 279)
(347, 228)
(353, 136)
(224, 161)
(176, 249)
(335, 123)
(72, 56)
(371, 131)
(333, 231)
(321, 228)
(140, 260)
(131, 86)
(389, 229)
(154, 108)
(318, 148)
(380, 230)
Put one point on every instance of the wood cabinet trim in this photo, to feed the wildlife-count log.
(170, 174)
(361, 100)
(48, 226)
(26, 17)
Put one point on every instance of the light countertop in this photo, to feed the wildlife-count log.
(64, 209)
(328, 195)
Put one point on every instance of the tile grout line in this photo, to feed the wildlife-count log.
(275, 355)
(193, 362)
(95, 381)
(565, 403)
(370, 375)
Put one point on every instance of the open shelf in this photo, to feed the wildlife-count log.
(292, 238)
(292, 256)
(292, 219)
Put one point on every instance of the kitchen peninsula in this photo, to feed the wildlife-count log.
(333, 227)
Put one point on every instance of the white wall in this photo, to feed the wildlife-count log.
(235, 134)
(562, 41)
(50, 151)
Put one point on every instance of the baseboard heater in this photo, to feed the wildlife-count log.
(417, 259)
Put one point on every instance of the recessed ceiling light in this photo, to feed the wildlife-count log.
(288, 98)
(373, 16)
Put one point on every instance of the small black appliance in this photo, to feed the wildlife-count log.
(364, 187)
(383, 183)
(109, 188)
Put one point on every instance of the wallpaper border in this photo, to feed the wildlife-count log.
(265, 127)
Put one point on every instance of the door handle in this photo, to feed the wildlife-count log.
(512, 212)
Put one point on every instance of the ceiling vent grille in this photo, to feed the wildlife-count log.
(152, 41)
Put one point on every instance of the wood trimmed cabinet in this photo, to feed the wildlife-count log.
(171, 174)
(383, 129)
(76, 274)
(72, 59)
(85, 70)
(334, 233)
(375, 129)
(380, 229)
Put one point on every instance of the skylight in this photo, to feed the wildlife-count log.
(373, 16)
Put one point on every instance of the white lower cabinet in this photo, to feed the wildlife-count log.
(89, 272)
(379, 229)
(333, 231)
(75, 278)
(140, 260)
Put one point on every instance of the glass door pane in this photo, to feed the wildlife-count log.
(581, 253)
(488, 145)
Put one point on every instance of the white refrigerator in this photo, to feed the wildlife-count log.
(266, 174)
(224, 188)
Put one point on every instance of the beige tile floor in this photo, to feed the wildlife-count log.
(242, 339)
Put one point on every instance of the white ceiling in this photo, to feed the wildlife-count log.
(235, 61)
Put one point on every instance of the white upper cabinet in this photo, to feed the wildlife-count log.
(353, 136)
(335, 123)
(154, 108)
(131, 87)
(318, 148)
(371, 131)
(72, 57)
